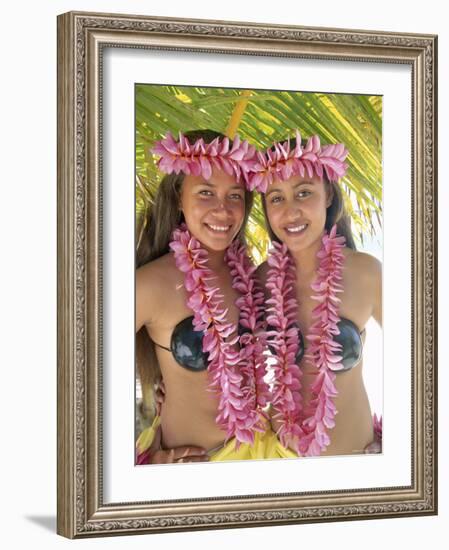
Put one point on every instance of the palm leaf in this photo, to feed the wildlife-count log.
(261, 117)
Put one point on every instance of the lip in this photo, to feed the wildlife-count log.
(295, 229)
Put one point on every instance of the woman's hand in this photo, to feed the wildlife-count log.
(159, 395)
(178, 455)
(375, 446)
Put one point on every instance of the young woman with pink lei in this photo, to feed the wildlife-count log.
(199, 311)
(320, 293)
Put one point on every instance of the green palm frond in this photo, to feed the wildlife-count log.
(261, 117)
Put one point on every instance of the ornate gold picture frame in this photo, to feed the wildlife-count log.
(83, 475)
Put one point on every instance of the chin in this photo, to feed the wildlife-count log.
(298, 243)
(212, 244)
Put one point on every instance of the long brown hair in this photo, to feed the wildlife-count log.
(159, 222)
(335, 213)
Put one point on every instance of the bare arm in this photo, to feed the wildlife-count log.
(364, 278)
(151, 290)
(376, 291)
(146, 282)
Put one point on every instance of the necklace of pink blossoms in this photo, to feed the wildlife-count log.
(236, 372)
(236, 375)
(305, 430)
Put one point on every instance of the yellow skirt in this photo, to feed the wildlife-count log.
(266, 445)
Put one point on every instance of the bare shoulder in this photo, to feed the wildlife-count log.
(158, 271)
(364, 271)
(364, 274)
(155, 281)
(363, 264)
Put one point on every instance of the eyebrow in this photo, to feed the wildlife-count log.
(276, 190)
(272, 191)
(209, 184)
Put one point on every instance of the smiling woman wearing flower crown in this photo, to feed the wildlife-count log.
(320, 293)
(199, 312)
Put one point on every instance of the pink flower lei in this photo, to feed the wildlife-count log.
(306, 430)
(200, 157)
(236, 375)
(283, 162)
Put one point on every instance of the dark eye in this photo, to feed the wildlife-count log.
(236, 196)
(304, 193)
(275, 199)
(205, 193)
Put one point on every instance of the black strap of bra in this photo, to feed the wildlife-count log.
(159, 345)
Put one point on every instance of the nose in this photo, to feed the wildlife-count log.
(294, 211)
(221, 208)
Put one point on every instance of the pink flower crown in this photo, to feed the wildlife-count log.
(259, 169)
(283, 163)
(199, 158)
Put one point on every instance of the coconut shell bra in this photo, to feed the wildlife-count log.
(186, 345)
(350, 339)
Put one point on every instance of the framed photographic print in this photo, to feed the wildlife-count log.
(181, 421)
(178, 141)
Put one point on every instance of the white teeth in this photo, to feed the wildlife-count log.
(219, 227)
(296, 229)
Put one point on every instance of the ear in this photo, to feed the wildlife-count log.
(329, 194)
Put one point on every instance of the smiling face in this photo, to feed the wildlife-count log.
(213, 209)
(296, 210)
